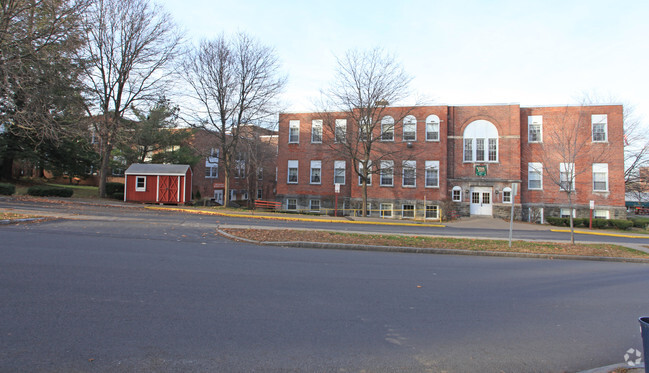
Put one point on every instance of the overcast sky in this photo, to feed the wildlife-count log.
(533, 53)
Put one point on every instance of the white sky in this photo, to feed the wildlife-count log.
(459, 52)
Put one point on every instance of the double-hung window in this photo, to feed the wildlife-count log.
(387, 128)
(432, 128)
(212, 164)
(387, 172)
(535, 175)
(409, 128)
(316, 171)
(409, 170)
(480, 142)
(340, 134)
(292, 172)
(316, 131)
(535, 128)
(600, 177)
(600, 127)
(456, 194)
(339, 172)
(369, 174)
(567, 176)
(432, 174)
(293, 131)
(140, 183)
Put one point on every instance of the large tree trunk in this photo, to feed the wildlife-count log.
(6, 168)
(105, 166)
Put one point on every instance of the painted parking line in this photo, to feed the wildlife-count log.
(286, 218)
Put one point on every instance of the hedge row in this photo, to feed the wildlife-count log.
(49, 191)
(597, 223)
(114, 190)
(640, 222)
(7, 189)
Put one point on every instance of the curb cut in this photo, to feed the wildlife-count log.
(417, 250)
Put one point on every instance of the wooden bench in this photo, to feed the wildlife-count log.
(272, 205)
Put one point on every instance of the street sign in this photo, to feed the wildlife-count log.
(219, 185)
(592, 205)
(337, 188)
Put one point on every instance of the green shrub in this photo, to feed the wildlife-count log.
(117, 195)
(600, 223)
(197, 195)
(579, 222)
(7, 189)
(113, 188)
(621, 224)
(559, 222)
(49, 191)
(640, 222)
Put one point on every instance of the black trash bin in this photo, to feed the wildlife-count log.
(644, 328)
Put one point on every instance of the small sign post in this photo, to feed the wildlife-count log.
(592, 207)
(511, 218)
(337, 190)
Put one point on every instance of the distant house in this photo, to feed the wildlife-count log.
(158, 183)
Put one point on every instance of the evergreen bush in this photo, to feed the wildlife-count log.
(7, 189)
(49, 191)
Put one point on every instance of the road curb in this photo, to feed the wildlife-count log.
(417, 250)
(600, 233)
(25, 220)
(611, 368)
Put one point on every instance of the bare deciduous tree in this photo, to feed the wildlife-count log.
(128, 46)
(364, 85)
(235, 81)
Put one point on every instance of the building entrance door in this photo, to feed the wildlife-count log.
(218, 196)
(481, 201)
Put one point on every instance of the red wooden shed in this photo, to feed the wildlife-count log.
(158, 183)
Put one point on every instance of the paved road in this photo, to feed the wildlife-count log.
(154, 292)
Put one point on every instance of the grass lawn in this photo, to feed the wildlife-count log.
(80, 191)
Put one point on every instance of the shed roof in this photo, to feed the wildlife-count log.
(157, 169)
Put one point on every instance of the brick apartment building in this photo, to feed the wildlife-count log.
(456, 161)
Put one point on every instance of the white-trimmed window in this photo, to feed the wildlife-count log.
(316, 131)
(340, 134)
(339, 172)
(369, 174)
(407, 211)
(387, 173)
(364, 129)
(567, 176)
(480, 142)
(291, 204)
(600, 127)
(409, 173)
(314, 205)
(260, 193)
(386, 210)
(316, 172)
(535, 128)
(233, 195)
(601, 214)
(409, 128)
(456, 194)
(507, 195)
(432, 128)
(212, 164)
(240, 168)
(387, 128)
(260, 173)
(432, 174)
(292, 172)
(140, 183)
(600, 177)
(565, 213)
(244, 194)
(535, 175)
(293, 131)
(432, 212)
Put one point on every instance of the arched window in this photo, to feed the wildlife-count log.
(456, 194)
(480, 142)
(432, 128)
(507, 195)
(387, 128)
(409, 128)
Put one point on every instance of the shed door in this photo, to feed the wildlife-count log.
(168, 189)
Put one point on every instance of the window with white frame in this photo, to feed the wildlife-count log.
(567, 176)
(240, 168)
(294, 131)
(432, 128)
(339, 172)
(407, 211)
(480, 142)
(212, 164)
(456, 194)
(368, 209)
(292, 172)
(364, 129)
(432, 174)
(340, 134)
(387, 128)
(432, 212)
(409, 173)
(243, 194)
(535, 128)
(291, 204)
(387, 173)
(314, 205)
(600, 127)
(600, 177)
(140, 183)
(233, 195)
(316, 171)
(601, 214)
(409, 128)
(316, 131)
(260, 173)
(369, 174)
(535, 175)
(565, 213)
(386, 210)
(507, 195)
(260, 193)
